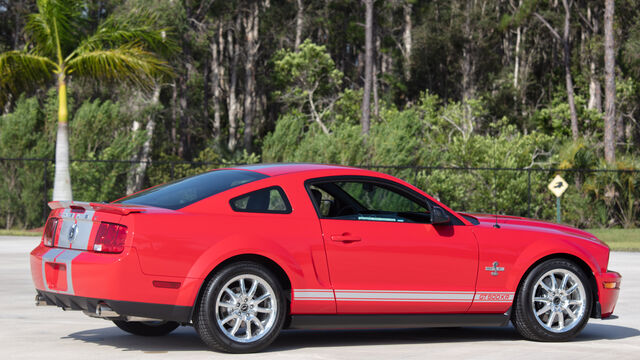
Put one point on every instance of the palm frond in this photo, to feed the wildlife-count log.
(129, 63)
(141, 29)
(57, 21)
(21, 71)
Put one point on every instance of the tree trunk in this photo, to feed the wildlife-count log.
(468, 70)
(232, 106)
(135, 178)
(516, 69)
(595, 92)
(299, 24)
(376, 99)
(609, 85)
(174, 118)
(215, 85)
(62, 179)
(407, 40)
(368, 67)
(251, 24)
(566, 43)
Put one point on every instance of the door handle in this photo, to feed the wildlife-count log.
(345, 238)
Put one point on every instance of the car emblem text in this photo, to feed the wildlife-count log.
(494, 269)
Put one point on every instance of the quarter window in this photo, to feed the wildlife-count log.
(269, 200)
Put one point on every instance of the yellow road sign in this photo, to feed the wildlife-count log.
(558, 186)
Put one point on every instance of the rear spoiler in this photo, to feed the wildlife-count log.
(118, 209)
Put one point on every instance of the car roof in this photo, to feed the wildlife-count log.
(288, 168)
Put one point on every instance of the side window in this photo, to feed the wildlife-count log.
(377, 198)
(269, 200)
(366, 200)
(322, 199)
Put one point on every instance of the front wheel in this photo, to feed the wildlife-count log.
(554, 302)
(242, 309)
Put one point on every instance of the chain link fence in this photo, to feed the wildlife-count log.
(595, 197)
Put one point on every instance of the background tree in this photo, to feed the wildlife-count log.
(60, 49)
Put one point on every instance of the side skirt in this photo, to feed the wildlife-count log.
(400, 321)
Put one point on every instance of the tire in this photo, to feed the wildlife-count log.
(147, 328)
(242, 309)
(554, 302)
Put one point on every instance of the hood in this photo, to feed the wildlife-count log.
(534, 225)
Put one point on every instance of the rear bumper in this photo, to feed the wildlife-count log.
(106, 277)
(608, 290)
(180, 314)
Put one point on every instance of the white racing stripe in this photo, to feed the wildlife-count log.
(313, 294)
(60, 256)
(403, 296)
(415, 296)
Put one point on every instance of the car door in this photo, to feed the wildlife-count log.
(383, 254)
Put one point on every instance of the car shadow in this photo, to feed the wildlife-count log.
(186, 339)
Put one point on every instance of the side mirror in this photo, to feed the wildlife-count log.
(439, 216)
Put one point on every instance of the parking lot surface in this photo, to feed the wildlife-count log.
(30, 332)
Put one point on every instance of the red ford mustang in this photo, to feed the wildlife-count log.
(242, 253)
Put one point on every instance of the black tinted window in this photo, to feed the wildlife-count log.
(183, 192)
(269, 200)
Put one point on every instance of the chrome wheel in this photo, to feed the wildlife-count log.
(559, 300)
(246, 308)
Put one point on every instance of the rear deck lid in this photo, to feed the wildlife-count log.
(79, 221)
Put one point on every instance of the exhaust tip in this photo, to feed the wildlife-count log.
(40, 300)
(104, 311)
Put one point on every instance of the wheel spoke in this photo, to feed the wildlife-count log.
(263, 310)
(236, 326)
(554, 283)
(257, 322)
(560, 320)
(232, 294)
(572, 289)
(565, 280)
(575, 302)
(541, 299)
(544, 309)
(571, 314)
(248, 325)
(227, 319)
(243, 290)
(545, 287)
(252, 290)
(551, 318)
(262, 298)
(227, 305)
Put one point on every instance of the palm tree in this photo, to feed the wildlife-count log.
(123, 51)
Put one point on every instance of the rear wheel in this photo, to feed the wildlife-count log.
(554, 302)
(242, 309)
(147, 328)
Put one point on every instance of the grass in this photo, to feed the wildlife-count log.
(619, 239)
(19, 232)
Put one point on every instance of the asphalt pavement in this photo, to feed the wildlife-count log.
(30, 332)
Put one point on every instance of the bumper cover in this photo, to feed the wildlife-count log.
(181, 314)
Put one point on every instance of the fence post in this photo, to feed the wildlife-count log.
(45, 213)
(529, 190)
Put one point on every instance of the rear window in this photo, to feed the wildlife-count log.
(180, 193)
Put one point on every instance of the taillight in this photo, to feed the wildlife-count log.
(110, 238)
(49, 232)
